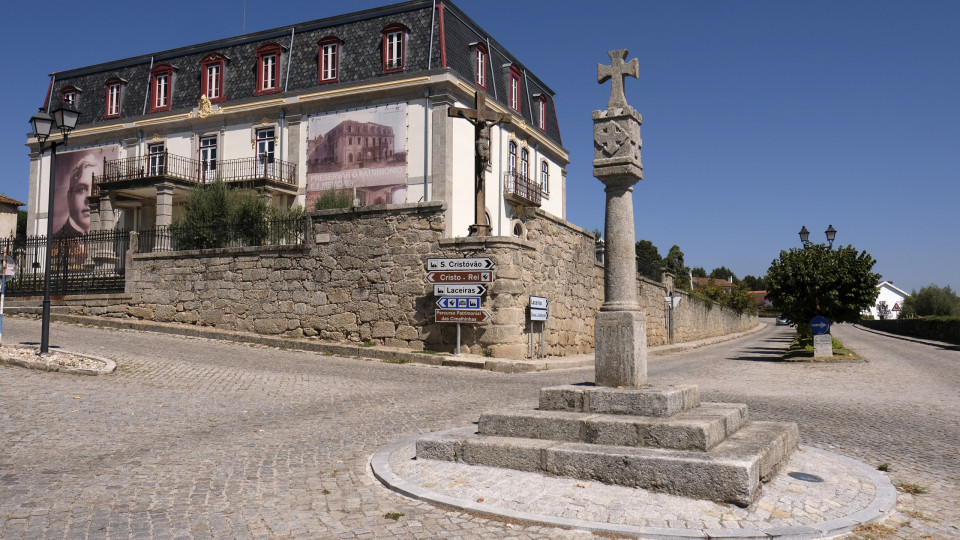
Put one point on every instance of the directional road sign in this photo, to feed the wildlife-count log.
(538, 314)
(459, 290)
(538, 302)
(459, 277)
(819, 325)
(462, 315)
(459, 302)
(475, 263)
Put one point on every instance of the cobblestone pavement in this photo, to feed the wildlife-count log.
(194, 438)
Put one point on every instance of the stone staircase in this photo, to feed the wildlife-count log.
(657, 438)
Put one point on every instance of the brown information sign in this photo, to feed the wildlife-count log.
(472, 316)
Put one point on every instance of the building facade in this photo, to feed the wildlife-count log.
(357, 101)
(890, 298)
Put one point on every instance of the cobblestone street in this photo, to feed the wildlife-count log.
(196, 438)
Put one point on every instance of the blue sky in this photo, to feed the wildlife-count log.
(759, 117)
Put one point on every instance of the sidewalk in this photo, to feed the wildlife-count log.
(388, 354)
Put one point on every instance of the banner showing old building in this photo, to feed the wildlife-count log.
(361, 150)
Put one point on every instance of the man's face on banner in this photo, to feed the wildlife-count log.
(80, 189)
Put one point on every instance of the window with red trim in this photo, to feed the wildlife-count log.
(329, 65)
(161, 88)
(268, 69)
(542, 113)
(512, 158)
(480, 66)
(70, 94)
(394, 37)
(524, 163)
(212, 71)
(515, 89)
(114, 93)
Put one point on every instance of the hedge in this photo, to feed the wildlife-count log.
(936, 328)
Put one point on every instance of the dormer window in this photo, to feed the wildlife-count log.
(515, 89)
(268, 69)
(541, 112)
(394, 37)
(114, 93)
(161, 88)
(70, 94)
(212, 71)
(480, 65)
(329, 60)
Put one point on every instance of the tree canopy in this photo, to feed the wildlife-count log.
(931, 300)
(674, 263)
(817, 280)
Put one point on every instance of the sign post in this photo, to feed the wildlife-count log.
(9, 269)
(822, 341)
(538, 312)
(460, 284)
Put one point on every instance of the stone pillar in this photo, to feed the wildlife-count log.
(107, 219)
(164, 204)
(441, 158)
(620, 325)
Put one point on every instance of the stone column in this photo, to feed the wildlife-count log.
(107, 219)
(164, 204)
(620, 325)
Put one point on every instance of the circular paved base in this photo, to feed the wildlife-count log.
(817, 494)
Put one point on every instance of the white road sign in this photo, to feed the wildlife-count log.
(459, 290)
(538, 302)
(475, 263)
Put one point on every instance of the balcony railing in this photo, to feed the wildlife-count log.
(172, 166)
(521, 189)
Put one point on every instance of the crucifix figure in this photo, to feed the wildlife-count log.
(617, 71)
(482, 117)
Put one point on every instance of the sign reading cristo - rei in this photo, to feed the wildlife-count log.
(460, 277)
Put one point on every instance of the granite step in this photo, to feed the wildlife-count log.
(646, 401)
(731, 472)
(701, 428)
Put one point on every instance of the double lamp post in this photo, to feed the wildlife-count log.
(64, 118)
(830, 232)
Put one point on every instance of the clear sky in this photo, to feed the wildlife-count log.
(759, 117)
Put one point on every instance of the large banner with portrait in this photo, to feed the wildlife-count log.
(74, 177)
(362, 151)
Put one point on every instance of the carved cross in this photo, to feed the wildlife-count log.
(482, 117)
(617, 72)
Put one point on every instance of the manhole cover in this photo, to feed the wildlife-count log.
(806, 477)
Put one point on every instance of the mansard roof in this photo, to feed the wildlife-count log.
(437, 41)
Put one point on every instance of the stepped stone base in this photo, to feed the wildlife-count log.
(680, 446)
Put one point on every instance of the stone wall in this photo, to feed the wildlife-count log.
(361, 277)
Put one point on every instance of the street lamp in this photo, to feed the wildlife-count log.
(830, 232)
(64, 117)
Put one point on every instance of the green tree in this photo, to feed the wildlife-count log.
(723, 273)
(931, 300)
(698, 271)
(816, 280)
(21, 223)
(674, 263)
(648, 254)
(216, 215)
(755, 283)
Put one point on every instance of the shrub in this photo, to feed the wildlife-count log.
(334, 198)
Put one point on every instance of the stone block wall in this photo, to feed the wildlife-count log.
(361, 277)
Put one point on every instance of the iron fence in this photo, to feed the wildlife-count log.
(275, 232)
(93, 262)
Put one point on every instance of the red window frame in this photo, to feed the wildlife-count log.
(512, 158)
(109, 85)
(70, 94)
(524, 163)
(542, 113)
(322, 60)
(156, 75)
(516, 89)
(265, 51)
(390, 63)
(209, 61)
(480, 66)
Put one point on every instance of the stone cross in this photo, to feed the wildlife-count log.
(620, 328)
(482, 117)
(617, 71)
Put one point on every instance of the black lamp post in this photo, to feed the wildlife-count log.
(830, 232)
(65, 119)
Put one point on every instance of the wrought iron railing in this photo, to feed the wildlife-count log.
(93, 262)
(276, 232)
(527, 189)
(168, 165)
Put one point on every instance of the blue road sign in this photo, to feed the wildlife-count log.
(459, 302)
(820, 325)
